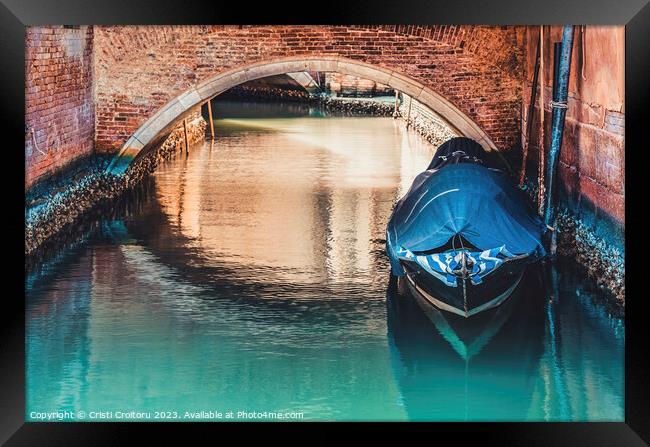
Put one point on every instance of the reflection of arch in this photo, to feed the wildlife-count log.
(165, 119)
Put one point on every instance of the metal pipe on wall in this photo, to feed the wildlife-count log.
(559, 107)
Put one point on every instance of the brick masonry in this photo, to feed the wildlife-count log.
(139, 68)
(90, 87)
(59, 118)
(592, 160)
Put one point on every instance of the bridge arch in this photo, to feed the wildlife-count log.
(173, 112)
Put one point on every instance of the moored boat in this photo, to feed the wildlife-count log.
(463, 234)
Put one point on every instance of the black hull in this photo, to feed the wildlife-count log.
(466, 299)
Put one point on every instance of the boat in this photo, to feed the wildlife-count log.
(464, 233)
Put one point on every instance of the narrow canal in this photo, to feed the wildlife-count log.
(251, 276)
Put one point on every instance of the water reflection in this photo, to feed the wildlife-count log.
(332, 181)
(479, 369)
(530, 359)
(251, 275)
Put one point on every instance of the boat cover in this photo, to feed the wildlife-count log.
(457, 150)
(468, 199)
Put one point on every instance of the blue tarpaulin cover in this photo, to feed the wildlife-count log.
(468, 199)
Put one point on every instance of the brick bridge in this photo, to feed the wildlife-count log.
(147, 79)
(121, 88)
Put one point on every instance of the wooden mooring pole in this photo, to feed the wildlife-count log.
(408, 115)
(396, 107)
(540, 144)
(531, 114)
(211, 119)
(187, 143)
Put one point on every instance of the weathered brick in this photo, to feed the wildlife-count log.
(185, 56)
(615, 122)
(610, 161)
(59, 110)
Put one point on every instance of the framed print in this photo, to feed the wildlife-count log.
(409, 222)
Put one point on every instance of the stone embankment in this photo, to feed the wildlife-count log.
(355, 106)
(267, 94)
(425, 122)
(603, 262)
(57, 207)
(347, 106)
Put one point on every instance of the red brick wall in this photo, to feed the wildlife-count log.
(139, 68)
(59, 115)
(592, 160)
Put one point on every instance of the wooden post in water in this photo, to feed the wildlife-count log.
(211, 119)
(408, 115)
(542, 162)
(395, 108)
(187, 143)
(530, 115)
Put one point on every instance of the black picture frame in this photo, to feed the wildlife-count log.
(634, 14)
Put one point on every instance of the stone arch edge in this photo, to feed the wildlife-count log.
(172, 111)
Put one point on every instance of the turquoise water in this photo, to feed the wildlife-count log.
(248, 281)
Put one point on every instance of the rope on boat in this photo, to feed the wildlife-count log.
(464, 272)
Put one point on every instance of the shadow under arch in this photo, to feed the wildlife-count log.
(168, 116)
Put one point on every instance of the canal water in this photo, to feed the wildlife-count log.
(250, 276)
